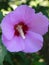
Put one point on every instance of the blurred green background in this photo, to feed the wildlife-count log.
(20, 58)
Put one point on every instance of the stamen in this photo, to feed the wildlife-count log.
(20, 30)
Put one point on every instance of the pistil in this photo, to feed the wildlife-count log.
(21, 32)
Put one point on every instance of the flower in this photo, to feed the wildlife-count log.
(22, 30)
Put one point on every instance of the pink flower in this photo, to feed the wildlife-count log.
(22, 30)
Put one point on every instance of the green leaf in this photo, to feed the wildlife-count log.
(1, 16)
(3, 52)
(39, 63)
(9, 60)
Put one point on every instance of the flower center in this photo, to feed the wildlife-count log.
(20, 29)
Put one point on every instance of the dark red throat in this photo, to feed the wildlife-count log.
(24, 27)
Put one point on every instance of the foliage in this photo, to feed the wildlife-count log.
(3, 52)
